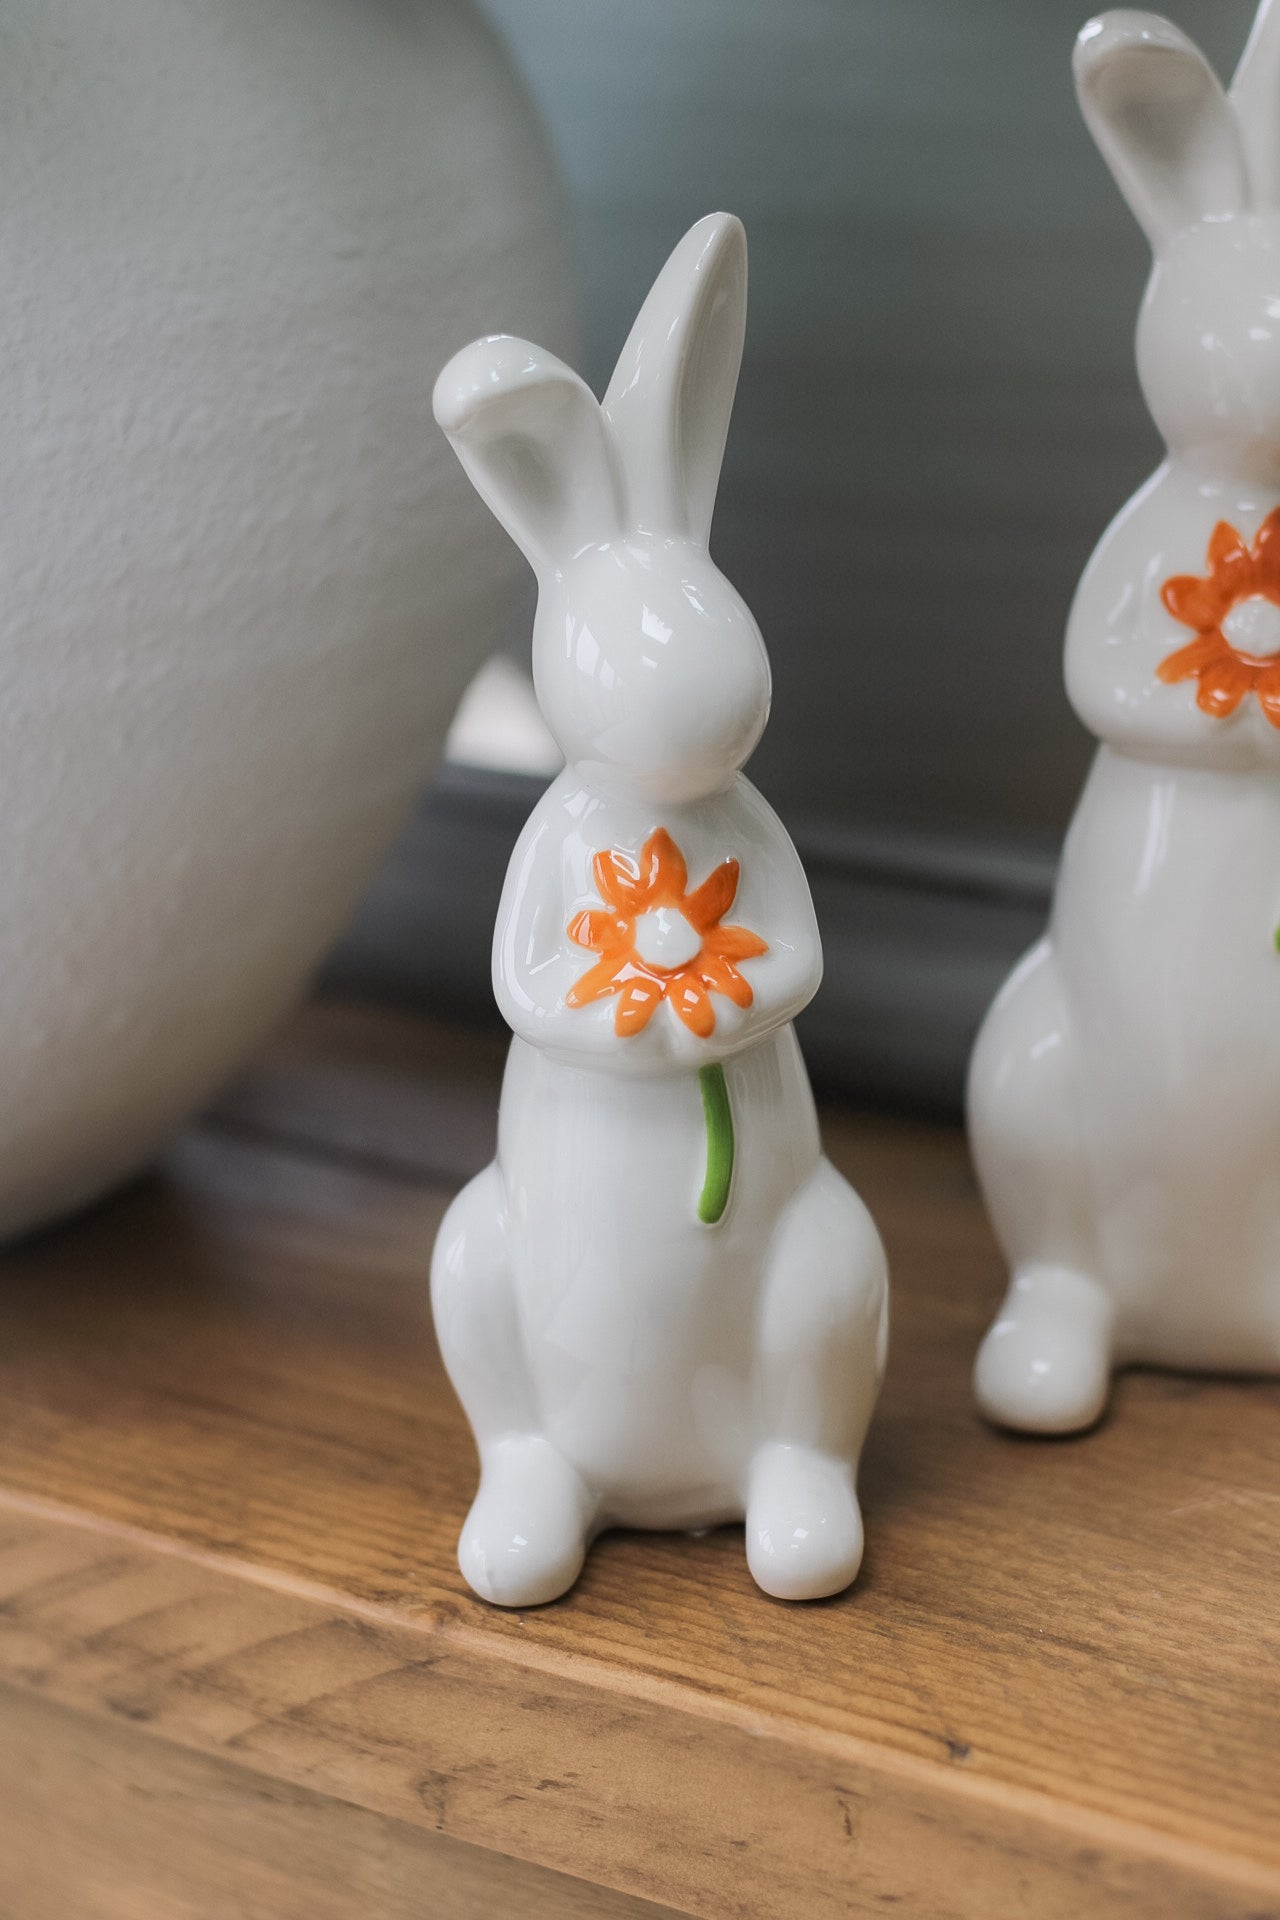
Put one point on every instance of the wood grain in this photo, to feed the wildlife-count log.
(231, 1477)
(99, 1822)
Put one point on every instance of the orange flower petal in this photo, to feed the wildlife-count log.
(1222, 687)
(1233, 571)
(603, 932)
(690, 999)
(1267, 687)
(713, 899)
(1266, 552)
(619, 883)
(1208, 650)
(723, 977)
(1196, 603)
(1227, 550)
(597, 981)
(1229, 558)
(736, 943)
(636, 1003)
(664, 875)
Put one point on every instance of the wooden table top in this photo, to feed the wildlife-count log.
(232, 1476)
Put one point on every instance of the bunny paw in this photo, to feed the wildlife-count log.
(804, 1529)
(525, 1537)
(1045, 1365)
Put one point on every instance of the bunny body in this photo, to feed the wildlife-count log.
(622, 1358)
(639, 1325)
(1123, 1090)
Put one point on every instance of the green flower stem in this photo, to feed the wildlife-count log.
(718, 1115)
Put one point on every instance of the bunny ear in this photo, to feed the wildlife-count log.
(1255, 95)
(1162, 121)
(533, 442)
(672, 392)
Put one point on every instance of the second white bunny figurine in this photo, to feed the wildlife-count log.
(1125, 1089)
(660, 1306)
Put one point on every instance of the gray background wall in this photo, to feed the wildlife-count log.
(938, 410)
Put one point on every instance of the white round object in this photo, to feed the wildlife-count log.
(244, 583)
(665, 939)
(1253, 626)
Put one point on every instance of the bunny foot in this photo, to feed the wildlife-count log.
(1045, 1365)
(525, 1537)
(804, 1529)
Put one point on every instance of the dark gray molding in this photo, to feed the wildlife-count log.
(919, 929)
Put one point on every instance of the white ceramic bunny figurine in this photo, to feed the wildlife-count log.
(660, 1306)
(1125, 1088)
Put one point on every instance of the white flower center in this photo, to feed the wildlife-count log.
(665, 939)
(1253, 625)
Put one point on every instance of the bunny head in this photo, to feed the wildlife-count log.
(649, 669)
(1200, 169)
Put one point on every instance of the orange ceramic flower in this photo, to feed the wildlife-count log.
(1226, 673)
(656, 941)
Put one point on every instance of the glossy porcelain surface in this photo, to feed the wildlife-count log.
(660, 1306)
(1123, 1104)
